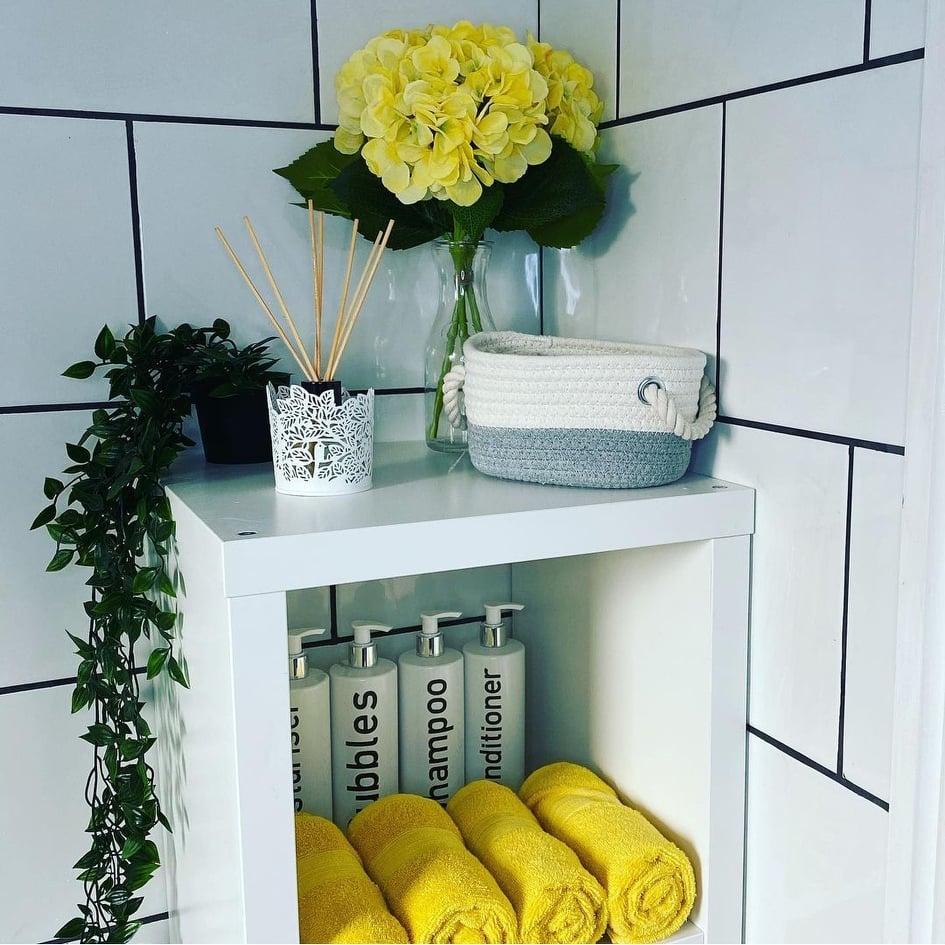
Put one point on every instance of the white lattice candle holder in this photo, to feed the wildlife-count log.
(319, 447)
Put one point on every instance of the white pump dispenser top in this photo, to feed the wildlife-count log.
(298, 661)
(429, 639)
(494, 632)
(363, 651)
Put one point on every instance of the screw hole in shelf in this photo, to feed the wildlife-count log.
(244, 534)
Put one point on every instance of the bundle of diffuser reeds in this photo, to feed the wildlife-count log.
(316, 366)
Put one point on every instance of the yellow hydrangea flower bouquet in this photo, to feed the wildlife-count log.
(450, 130)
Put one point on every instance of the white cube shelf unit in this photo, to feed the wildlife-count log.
(636, 630)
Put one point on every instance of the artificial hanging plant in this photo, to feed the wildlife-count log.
(117, 522)
(452, 130)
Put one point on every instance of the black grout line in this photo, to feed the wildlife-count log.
(814, 435)
(867, 14)
(50, 683)
(819, 768)
(616, 63)
(135, 218)
(848, 534)
(56, 408)
(316, 72)
(161, 119)
(718, 299)
(881, 63)
(333, 610)
(147, 920)
(397, 631)
(538, 20)
(541, 290)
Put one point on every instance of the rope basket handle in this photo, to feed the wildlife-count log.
(668, 414)
(661, 404)
(453, 399)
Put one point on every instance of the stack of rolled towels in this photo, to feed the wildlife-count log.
(560, 862)
(649, 881)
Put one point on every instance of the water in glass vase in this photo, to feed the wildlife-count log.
(462, 311)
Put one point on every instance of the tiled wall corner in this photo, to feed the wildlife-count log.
(815, 858)
(797, 579)
(871, 619)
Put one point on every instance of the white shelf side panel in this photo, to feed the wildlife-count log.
(620, 677)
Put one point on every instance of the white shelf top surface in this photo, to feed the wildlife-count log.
(433, 512)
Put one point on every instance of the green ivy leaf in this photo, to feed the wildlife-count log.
(99, 735)
(178, 673)
(52, 487)
(78, 454)
(73, 929)
(44, 517)
(312, 174)
(105, 344)
(60, 559)
(156, 660)
(80, 370)
(144, 580)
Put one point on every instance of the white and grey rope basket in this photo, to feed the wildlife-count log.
(575, 412)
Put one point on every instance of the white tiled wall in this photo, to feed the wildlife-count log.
(769, 227)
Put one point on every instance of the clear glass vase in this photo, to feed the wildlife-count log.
(463, 310)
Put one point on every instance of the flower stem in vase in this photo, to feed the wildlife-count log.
(463, 311)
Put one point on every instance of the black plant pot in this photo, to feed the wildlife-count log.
(234, 429)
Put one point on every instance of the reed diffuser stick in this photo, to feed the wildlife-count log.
(316, 301)
(290, 321)
(303, 364)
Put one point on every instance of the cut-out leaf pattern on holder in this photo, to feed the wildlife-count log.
(319, 446)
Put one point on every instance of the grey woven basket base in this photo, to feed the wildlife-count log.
(600, 459)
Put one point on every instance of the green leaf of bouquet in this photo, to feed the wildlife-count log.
(373, 205)
(472, 222)
(313, 172)
(558, 202)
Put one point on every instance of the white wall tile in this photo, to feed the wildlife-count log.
(588, 31)
(649, 273)
(816, 855)
(797, 579)
(398, 417)
(68, 260)
(38, 607)
(193, 178)
(871, 619)
(399, 601)
(896, 26)
(344, 26)
(44, 815)
(214, 58)
(677, 51)
(817, 254)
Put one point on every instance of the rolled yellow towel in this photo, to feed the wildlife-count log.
(338, 902)
(432, 883)
(555, 898)
(649, 881)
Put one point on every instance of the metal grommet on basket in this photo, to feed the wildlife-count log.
(644, 384)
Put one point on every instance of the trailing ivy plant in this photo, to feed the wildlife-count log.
(112, 516)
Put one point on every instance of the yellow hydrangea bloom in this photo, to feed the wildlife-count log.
(445, 111)
(574, 108)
